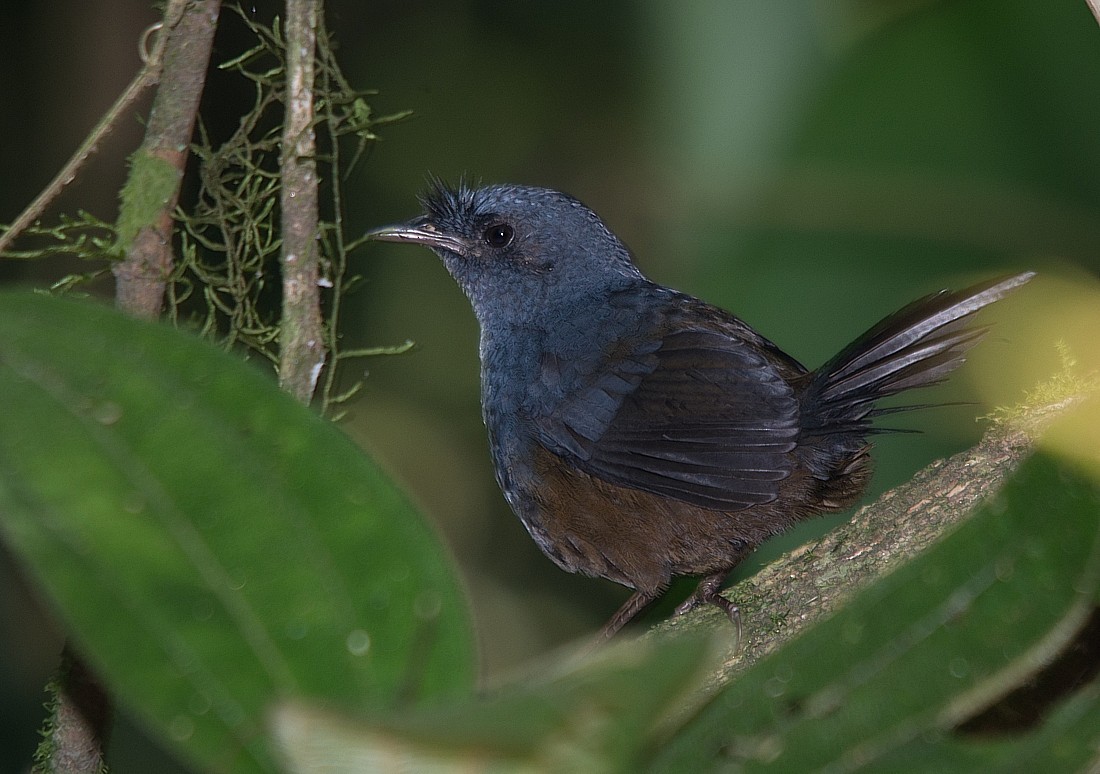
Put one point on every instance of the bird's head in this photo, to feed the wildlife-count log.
(517, 248)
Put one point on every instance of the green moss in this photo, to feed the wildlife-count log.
(1065, 384)
(152, 183)
(43, 755)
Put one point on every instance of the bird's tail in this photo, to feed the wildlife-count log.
(917, 346)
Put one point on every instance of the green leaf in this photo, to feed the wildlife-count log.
(212, 545)
(593, 715)
(885, 681)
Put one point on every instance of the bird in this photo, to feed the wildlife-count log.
(641, 434)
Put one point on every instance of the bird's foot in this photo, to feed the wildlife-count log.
(706, 593)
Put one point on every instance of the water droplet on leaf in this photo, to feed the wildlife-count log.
(358, 642)
(107, 413)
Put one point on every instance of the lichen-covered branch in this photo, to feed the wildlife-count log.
(302, 342)
(156, 169)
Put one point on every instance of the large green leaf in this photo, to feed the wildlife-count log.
(211, 545)
(881, 685)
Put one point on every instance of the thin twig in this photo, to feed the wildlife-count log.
(156, 170)
(302, 344)
(146, 77)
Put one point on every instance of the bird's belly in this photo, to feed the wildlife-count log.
(590, 526)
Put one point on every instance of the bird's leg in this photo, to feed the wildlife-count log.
(707, 593)
(630, 608)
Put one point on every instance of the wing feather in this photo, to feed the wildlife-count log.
(702, 416)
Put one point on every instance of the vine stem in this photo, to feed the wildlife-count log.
(302, 343)
(147, 77)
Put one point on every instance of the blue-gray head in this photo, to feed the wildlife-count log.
(516, 249)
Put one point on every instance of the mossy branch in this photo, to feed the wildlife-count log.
(156, 169)
(76, 728)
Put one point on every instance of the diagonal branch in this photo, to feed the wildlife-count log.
(156, 171)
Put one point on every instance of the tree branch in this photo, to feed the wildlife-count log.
(302, 343)
(156, 169)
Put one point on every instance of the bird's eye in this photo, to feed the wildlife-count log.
(499, 235)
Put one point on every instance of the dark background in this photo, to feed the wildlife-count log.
(809, 165)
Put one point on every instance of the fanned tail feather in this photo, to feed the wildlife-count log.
(917, 346)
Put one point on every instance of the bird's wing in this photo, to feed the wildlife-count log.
(699, 415)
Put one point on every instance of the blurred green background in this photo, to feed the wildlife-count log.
(810, 166)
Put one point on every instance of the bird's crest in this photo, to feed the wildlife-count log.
(452, 204)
